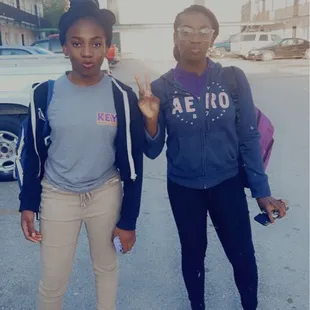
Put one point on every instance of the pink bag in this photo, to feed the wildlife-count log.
(265, 127)
(266, 130)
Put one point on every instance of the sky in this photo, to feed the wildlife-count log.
(164, 11)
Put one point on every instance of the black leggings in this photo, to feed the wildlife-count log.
(229, 213)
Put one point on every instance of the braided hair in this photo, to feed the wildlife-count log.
(80, 9)
(195, 9)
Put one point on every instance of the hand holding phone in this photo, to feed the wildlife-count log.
(263, 218)
(118, 245)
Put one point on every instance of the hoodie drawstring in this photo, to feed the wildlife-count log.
(85, 199)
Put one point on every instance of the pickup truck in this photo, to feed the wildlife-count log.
(17, 75)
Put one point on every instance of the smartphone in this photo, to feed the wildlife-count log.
(263, 218)
(118, 244)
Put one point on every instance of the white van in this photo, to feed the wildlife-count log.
(248, 41)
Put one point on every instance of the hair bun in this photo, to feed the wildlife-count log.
(109, 16)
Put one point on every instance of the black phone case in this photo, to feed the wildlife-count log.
(262, 219)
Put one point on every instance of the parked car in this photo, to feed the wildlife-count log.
(248, 41)
(222, 48)
(282, 49)
(52, 43)
(23, 50)
(219, 49)
(225, 45)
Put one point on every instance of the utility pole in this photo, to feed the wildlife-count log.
(295, 16)
(264, 6)
(296, 4)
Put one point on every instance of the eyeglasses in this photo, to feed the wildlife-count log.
(187, 33)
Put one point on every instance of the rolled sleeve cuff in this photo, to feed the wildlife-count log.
(127, 224)
(261, 191)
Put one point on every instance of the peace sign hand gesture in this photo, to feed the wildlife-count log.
(148, 103)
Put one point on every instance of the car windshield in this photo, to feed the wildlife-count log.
(42, 51)
(234, 38)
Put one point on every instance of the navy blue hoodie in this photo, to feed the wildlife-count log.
(206, 142)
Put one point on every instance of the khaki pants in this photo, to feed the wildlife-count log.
(62, 215)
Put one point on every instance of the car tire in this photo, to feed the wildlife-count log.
(9, 130)
(267, 56)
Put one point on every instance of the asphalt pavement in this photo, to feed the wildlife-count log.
(150, 276)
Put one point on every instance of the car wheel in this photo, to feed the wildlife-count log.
(9, 129)
(267, 56)
(307, 54)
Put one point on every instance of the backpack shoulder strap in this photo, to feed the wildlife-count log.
(51, 84)
(233, 87)
(231, 80)
(50, 92)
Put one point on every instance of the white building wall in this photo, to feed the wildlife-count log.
(227, 31)
(156, 43)
(103, 4)
(148, 43)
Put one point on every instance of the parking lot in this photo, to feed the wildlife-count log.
(282, 67)
(150, 276)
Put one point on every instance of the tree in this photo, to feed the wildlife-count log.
(53, 9)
